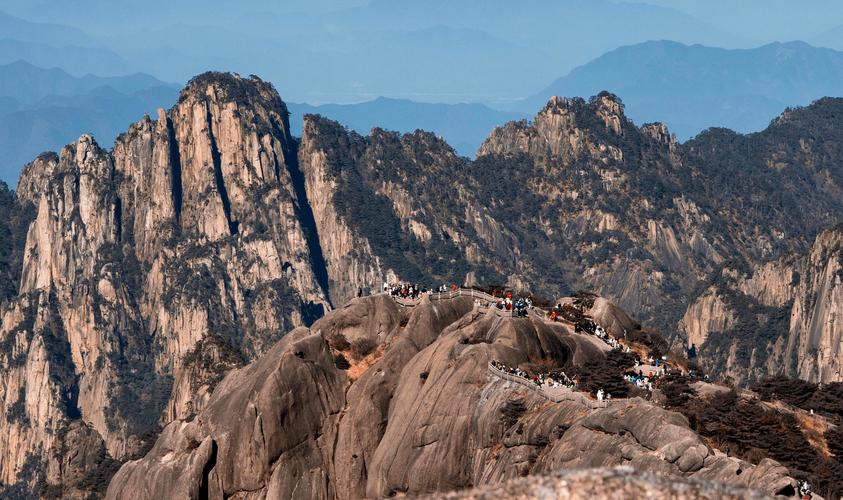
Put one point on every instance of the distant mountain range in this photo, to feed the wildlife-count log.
(74, 59)
(46, 33)
(464, 126)
(28, 84)
(691, 88)
(688, 87)
(42, 109)
(425, 50)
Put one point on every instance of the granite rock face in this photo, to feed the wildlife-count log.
(146, 274)
(780, 318)
(605, 483)
(425, 416)
(151, 269)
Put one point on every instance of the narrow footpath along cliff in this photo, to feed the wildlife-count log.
(420, 413)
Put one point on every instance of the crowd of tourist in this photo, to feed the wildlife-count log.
(639, 380)
(636, 376)
(518, 372)
(505, 301)
(518, 306)
(404, 290)
(502, 300)
(549, 380)
(413, 291)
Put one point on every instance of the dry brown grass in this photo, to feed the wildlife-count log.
(814, 429)
(359, 366)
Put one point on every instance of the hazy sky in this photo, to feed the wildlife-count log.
(763, 21)
(429, 50)
(501, 53)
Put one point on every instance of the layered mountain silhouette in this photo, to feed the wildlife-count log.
(463, 126)
(433, 51)
(182, 300)
(43, 109)
(691, 88)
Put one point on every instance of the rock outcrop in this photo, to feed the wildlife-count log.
(151, 269)
(15, 216)
(617, 483)
(426, 416)
(780, 318)
(145, 273)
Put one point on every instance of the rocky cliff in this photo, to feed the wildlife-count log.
(134, 279)
(425, 415)
(397, 206)
(780, 318)
(153, 268)
(604, 483)
(14, 218)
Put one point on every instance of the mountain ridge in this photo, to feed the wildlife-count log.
(464, 126)
(47, 107)
(190, 248)
(738, 88)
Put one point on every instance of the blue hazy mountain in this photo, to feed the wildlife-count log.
(464, 126)
(28, 84)
(76, 60)
(762, 21)
(691, 88)
(452, 51)
(40, 32)
(424, 50)
(44, 109)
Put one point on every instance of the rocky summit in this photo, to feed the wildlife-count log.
(198, 310)
(423, 412)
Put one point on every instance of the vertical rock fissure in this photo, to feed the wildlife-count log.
(308, 221)
(118, 219)
(61, 366)
(175, 169)
(72, 402)
(284, 138)
(218, 177)
(204, 490)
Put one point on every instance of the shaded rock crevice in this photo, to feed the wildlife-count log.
(218, 175)
(304, 211)
(175, 167)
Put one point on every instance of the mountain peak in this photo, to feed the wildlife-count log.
(604, 102)
(225, 86)
(559, 128)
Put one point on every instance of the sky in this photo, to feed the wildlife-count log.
(338, 57)
(490, 51)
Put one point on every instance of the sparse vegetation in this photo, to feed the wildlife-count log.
(338, 341)
(746, 429)
(362, 347)
(511, 411)
(677, 390)
(16, 413)
(827, 400)
(603, 374)
(656, 344)
(14, 222)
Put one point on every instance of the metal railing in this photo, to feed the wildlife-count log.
(487, 299)
(554, 394)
